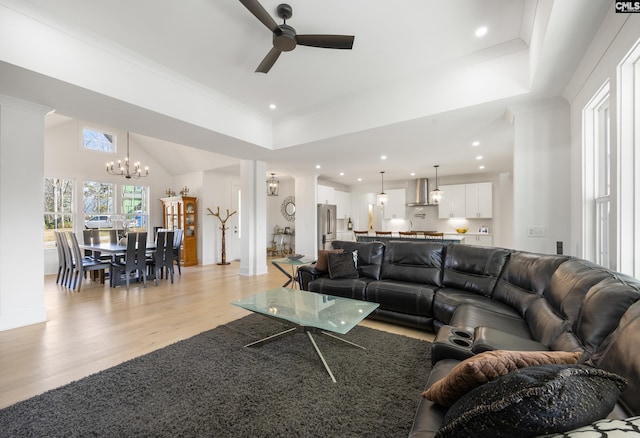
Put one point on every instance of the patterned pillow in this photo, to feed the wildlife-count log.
(606, 428)
(488, 366)
(534, 401)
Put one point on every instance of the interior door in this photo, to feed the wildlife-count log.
(234, 234)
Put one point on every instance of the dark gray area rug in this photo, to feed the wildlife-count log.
(210, 386)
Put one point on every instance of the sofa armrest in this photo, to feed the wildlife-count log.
(489, 339)
(307, 273)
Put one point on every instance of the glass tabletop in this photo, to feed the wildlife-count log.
(310, 309)
(294, 262)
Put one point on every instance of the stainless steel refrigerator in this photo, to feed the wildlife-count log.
(327, 225)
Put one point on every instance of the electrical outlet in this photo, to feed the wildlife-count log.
(535, 231)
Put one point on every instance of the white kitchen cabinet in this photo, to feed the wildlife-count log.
(343, 203)
(326, 195)
(478, 239)
(453, 203)
(395, 207)
(479, 200)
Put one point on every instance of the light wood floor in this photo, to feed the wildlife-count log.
(100, 327)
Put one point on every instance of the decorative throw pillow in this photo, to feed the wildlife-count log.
(534, 401)
(488, 366)
(606, 428)
(341, 265)
(322, 264)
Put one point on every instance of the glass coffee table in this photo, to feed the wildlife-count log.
(308, 312)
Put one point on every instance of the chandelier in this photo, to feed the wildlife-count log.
(272, 185)
(436, 194)
(382, 196)
(125, 168)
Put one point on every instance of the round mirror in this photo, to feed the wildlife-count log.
(289, 208)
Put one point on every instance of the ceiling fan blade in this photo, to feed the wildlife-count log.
(261, 14)
(268, 61)
(326, 41)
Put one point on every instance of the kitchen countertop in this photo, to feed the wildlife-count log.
(454, 238)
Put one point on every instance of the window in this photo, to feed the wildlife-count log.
(603, 183)
(626, 207)
(97, 204)
(58, 208)
(134, 206)
(597, 177)
(98, 141)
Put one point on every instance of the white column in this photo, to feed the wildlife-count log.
(541, 170)
(306, 215)
(21, 191)
(253, 244)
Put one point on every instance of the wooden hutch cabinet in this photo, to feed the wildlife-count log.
(180, 213)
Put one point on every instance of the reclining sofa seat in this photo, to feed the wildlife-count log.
(411, 273)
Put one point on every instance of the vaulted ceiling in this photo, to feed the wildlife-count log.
(418, 86)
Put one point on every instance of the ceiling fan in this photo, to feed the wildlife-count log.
(285, 38)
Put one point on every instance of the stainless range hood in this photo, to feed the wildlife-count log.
(422, 194)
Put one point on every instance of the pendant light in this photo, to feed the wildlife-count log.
(436, 194)
(272, 185)
(125, 169)
(382, 196)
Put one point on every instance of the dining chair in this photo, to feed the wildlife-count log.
(429, 235)
(83, 264)
(62, 258)
(177, 244)
(67, 274)
(383, 233)
(408, 234)
(361, 233)
(162, 258)
(135, 262)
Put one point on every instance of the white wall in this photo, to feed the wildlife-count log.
(274, 205)
(21, 172)
(217, 192)
(541, 172)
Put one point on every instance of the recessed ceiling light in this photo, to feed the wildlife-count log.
(359, 179)
(384, 157)
(481, 31)
(475, 143)
(479, 157)
(412, 174)
(318, 166)
(341, 173)
(272, 106)
(480, 167)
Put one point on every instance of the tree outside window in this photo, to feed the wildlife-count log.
(97, 204)
(134, 207)
(98, 141)
(58, 208)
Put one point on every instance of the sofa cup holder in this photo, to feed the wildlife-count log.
(465, 343)
(461, 333)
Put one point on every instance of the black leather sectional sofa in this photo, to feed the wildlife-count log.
(479, 299)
